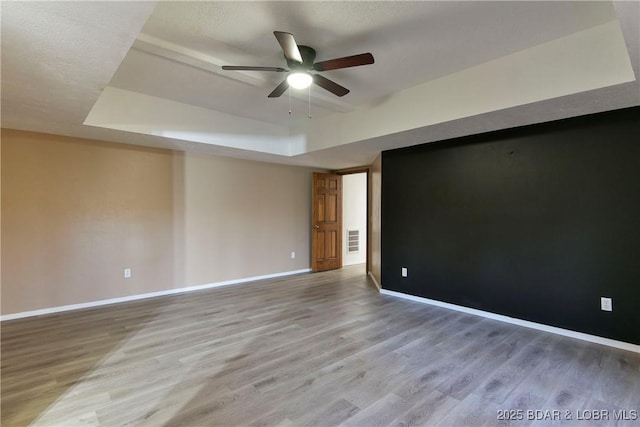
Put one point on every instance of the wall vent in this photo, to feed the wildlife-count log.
(353, 241)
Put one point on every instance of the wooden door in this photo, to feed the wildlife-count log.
(326, 233)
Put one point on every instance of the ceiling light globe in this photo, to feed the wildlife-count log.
(299, 80)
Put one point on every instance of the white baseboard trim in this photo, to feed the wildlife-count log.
(145, 296)
(515, 321)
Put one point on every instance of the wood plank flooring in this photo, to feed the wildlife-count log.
(323, 349)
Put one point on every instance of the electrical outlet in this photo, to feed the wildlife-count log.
(606, 304)
(293, 254)
(405, 273)
(127, 273)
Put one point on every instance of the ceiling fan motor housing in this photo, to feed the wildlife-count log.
(308, 57)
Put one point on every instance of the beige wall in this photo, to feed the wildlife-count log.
(75, 213)
(235, 218)
(375, 218)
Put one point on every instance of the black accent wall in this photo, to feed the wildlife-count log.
(536, 222)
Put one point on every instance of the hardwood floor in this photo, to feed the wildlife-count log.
(323, 349)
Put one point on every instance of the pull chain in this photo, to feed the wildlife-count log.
(309, 98)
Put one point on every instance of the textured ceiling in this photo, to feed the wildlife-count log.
(58, 57)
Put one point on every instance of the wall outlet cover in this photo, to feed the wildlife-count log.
(606, 304)
(405, 273)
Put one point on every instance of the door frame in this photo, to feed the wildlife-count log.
(353, 171)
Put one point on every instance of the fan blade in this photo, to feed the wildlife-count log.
(346, 62)
(289, 46)
(248, 68)
(280, 89)
(330, 85)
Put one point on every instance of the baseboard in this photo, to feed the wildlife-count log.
(514, 321)
(145, 296)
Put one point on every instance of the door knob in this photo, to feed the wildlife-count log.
(315, 227)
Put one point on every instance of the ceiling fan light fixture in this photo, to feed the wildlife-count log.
(299, 80)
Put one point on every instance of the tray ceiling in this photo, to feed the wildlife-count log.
(149, 73)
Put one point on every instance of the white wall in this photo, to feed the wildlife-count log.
(354, 215)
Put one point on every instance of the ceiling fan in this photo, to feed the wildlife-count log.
(300, 62)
